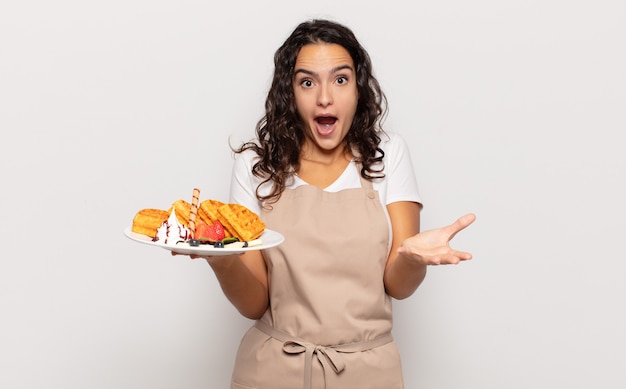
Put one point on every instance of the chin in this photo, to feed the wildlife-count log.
(328, 144)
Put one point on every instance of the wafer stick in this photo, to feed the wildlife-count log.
(195, 199)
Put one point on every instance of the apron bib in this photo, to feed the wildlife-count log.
(329, 320)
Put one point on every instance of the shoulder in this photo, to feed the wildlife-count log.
(245, 159)
(400, 183)
(392, 142)
(243, 183)
(395, 149)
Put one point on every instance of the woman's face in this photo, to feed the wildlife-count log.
(326, 95)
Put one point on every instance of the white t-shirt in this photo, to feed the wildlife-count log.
(399, 183)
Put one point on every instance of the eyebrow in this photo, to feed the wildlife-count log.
(312, 73)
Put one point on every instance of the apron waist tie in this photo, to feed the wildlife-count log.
(328, 356)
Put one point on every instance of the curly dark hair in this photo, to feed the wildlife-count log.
(280, 134)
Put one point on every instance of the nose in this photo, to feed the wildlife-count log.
(325, 96)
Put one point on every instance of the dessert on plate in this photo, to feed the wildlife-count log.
(207, 222)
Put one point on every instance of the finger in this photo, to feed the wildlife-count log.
(207, 257)
(461, 223)
(194, 256)
(464, 221)
(463, 256)
(454, 258)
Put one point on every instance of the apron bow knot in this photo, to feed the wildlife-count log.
(327, 356)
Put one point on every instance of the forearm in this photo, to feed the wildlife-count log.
(403, 277)
(241, 287)
(403, 274)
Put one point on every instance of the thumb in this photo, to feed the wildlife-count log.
(461, 223)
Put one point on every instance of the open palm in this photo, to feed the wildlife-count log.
(432, 247)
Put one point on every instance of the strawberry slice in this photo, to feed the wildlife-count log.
(218, 229)
(212, 233)
(201, 230)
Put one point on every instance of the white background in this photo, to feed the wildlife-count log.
(514, 110)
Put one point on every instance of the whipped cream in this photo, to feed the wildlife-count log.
(172, 231)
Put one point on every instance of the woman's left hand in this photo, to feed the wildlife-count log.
(432, 247)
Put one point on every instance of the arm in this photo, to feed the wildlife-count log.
(403, 275)
(244, 281)
(243, 278)
(412, 251)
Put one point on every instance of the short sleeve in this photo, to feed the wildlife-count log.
(243, 183)
(401, 180)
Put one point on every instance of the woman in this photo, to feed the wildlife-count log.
(343, 192)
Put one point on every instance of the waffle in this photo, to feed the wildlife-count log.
(208, 213)
(148, 220)
(183, 209)
(240, 221)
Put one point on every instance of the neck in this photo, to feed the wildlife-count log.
(342, 153)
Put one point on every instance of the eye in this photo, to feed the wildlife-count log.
(306, 83)
(342, 80)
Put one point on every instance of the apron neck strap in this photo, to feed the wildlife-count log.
(365, 183)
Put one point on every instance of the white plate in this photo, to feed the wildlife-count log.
(269, 239)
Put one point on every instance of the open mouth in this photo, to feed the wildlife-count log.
(325, 124)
